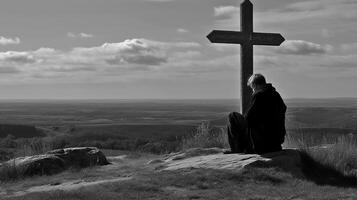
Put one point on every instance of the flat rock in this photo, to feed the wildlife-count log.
(57, 160)
(287, 160)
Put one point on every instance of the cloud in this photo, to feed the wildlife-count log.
(7, 41)
(69, 68)
(304, 6)
(325, 65)
(181, 30)
(225, 12)
(325, 13)
(136, 46)
(201, 65)
(17, 57)
(300, 47)
(79, 35)
(131, 56)
(189, 54)
(71, 35)
(227, 48)
(329, 10)
(266, 61)
(135, 59)
(135, 51)
(172, 45)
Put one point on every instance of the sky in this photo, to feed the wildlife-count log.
(157, 49)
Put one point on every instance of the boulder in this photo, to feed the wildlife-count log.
(80, 156)
(36, 165)
(288, 160)
(57, 161)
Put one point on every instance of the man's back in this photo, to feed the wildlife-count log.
(266, 120)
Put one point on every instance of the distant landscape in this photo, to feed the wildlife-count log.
(151, 124)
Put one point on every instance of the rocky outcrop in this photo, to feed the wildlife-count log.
(57, 161)
(287, 160)
(80, 156)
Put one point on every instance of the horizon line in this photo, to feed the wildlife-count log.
(163, 99)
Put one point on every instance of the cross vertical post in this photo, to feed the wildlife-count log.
(246, 69)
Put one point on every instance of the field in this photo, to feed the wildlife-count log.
(155, 125)
(130, 131)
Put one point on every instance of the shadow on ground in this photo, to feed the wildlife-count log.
(325, 175)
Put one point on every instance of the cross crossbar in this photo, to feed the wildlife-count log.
(235, 37)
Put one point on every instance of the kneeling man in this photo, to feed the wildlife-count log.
(262, 128)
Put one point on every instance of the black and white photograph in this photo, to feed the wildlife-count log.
(178, 99)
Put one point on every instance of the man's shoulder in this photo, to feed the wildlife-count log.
(271, 95)
(263, 94)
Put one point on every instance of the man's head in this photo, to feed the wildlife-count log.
(256, 82)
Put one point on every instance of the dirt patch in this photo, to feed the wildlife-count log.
(179, 192)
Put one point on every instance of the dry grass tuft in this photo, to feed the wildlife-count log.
(206, 137)
(341, 155)
(9, 172)
(329, 159)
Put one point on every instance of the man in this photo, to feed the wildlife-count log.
(262, 128)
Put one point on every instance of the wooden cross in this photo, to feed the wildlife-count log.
(247, 39)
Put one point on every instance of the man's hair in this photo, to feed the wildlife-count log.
(256, 79)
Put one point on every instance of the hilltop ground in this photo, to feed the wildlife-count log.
(152, 126)
(133, 176)
(157, 126)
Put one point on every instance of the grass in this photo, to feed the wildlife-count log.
(337, 153)
(206, 137)
(341, 155)
(109, 139)
(336, 162)
(9, 172)
(203, 184)
(328, 159)
(324, 177)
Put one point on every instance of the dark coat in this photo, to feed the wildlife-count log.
(266, 120)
